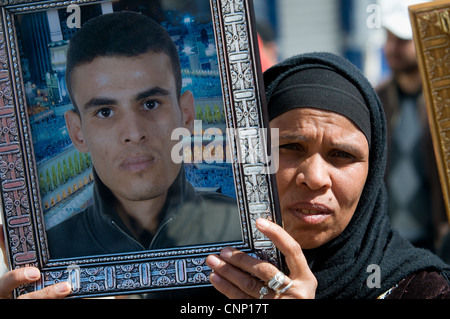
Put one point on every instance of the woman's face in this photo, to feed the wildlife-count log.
(323, 166)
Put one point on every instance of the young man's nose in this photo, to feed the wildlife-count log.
(133, 128)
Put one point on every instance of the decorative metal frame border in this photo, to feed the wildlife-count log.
(244, 99)
(431, 29)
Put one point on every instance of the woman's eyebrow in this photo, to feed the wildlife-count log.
(349, 147)
(293, 138)
(353, 149)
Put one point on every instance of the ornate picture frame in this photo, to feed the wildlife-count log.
(431, 30)
(22, 205)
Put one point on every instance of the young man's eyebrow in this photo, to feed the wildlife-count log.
(98, 102)
(105, 101)
(155, 91)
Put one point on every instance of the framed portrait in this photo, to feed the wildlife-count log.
(431, 29)
(63, 206)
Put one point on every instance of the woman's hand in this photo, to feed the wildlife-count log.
(238, 275)
(14, 278)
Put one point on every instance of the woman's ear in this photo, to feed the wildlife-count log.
(73, 123)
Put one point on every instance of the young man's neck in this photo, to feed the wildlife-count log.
(141, 216)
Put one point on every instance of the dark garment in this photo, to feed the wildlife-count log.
(422, 285)
(416, 204)
(322, 88)
(343, 265)
(188, 218)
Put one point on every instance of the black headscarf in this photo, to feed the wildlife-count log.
(341, 266)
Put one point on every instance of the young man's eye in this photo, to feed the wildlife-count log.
(151, 104)
(104, 113)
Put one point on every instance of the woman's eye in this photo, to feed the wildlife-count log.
(342, 154)
(150, 105)
(291, 146)
(104, 113)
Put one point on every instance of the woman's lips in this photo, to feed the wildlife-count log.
(311, 213)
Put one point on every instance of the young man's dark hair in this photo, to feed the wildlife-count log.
(126, 34)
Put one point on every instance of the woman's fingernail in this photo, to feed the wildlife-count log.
(262, 223)
(32, 273)
(212, 261)
(215, 278)
(226, 253)
(63, 287)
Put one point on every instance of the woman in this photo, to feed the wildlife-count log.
(337, 240)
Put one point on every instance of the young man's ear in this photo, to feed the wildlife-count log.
(73, 123)
(187, 109)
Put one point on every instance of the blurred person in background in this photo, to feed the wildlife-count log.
(268, 48)
(416, 203)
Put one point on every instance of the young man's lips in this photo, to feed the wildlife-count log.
(136, 163)
(311, 213)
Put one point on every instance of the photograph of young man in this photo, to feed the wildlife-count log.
(123, 75)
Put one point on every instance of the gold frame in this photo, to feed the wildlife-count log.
(431, 31)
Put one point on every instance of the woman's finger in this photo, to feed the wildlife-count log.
(287, 245)
(247, 273)
(231, 280)
(2, 244)
(238, 275)
(226, 287)
(57, 291)
(13, 279)
(261, 269)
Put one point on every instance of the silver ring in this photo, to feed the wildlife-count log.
(263, 291)
(277, 281)
(281, 291)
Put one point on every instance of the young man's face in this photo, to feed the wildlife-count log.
(128, 109)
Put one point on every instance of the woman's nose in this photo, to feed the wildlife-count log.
(314, 173)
